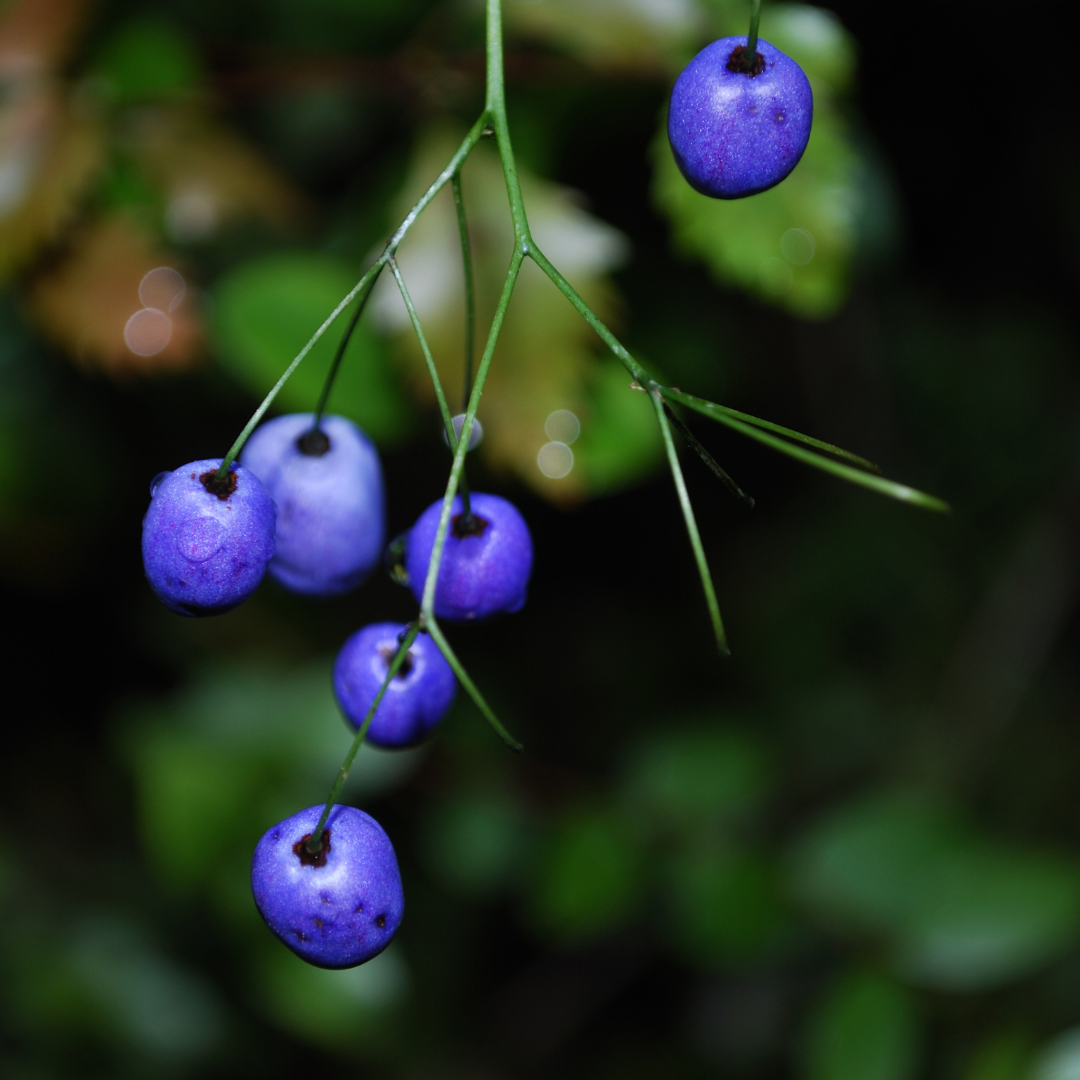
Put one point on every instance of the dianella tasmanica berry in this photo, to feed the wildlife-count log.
(328, 486)
(486, 561)
(738, 127)
(207, 538)
(337, 905)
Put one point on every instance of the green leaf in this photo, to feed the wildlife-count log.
(956, 911)
(693, 779)
(589, 878)
(1059, 1059)
(728, 906)
(344, 1008)
(148, 59)
(865, 1029)
(265, 312)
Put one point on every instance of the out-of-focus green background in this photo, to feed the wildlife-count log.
(850, 852)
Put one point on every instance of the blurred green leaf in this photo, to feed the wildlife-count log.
(957, 911)
(866, 1028)
(475, 845)
(1059, 1059)
(1003, 1056)
(620, 442)
(344, 1008)
(589, 877)
(728, 907)
(148, 59)
(265, 312)
(696, 778)
(241, 749)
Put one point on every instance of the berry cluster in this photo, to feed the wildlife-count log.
(306, 503)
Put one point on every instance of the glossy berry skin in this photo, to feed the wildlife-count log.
(484, 571)
(339, 908)
(204, 553)
(734, 134)
(331, 520)
(416, 699)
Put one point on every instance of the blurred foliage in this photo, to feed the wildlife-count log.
(849, 853)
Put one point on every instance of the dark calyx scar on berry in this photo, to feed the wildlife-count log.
(738, 128)
(416, 699)
(486, 562)
(336, 905)
(207, 537)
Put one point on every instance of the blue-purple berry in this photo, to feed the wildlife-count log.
(335, 908)
(486, 562)
(328, 487)
(734, 133)
(416, 699)
(206, 540)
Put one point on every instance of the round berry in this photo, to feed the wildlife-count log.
(328, 487)
(735, 132)
(337, 907)
(206, 540)
(486, 561)
(416, 699)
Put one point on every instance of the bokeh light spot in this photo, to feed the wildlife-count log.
(555, 460)
(797, 246)
(148, 332)
(562, 426)
(162, 288)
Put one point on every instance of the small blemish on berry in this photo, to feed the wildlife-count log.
(318, 922)
(358, 909)
(380, 921)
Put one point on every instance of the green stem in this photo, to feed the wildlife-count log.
(845, 472)
(752, 37)
(711, 409)
(444, 407)
(710, 462)
(399, 658)
(436, 633)
(366, 283)
(691, 524)
(335, 364)
(428, 602)
(470, 285)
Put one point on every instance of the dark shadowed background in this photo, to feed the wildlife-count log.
(849, 852)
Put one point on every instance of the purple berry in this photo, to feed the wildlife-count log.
(417, 697)
(328, 487)
(486, 561)
(206, 542)
(339, 907)
(733, 133)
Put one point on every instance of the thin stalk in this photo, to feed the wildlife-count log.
(752, 37)
(691, 524)
(495, 105)
(876, 483)
(335, 364)
(395, 664)
(710, 462)
(444, 406)
(436, 633)
(710, 408)
(428, 602)
(470, 285)
(366, 283)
